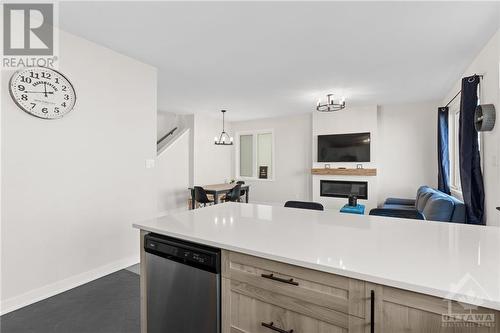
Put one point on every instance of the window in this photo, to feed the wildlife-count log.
(453, 131)
(255, 155)
(454, 149)
(246, 155)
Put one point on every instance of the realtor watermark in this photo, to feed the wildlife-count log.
(466, 310)
(29, 37)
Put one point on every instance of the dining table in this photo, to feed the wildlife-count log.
(217, 190)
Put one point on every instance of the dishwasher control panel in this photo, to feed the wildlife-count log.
(178, 250)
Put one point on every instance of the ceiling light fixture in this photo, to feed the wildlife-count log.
(332, 104)
(224, 139)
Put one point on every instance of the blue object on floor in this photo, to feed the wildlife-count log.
(358, 209)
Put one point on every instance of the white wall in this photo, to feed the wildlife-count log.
(407, 150)
(72, 187)
(487, 62)
(403, 151)
(349, 120)
(165, 122)
(292, 139)
(212, 163)
(172, 174)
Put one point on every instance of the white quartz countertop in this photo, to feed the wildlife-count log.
(453, 261)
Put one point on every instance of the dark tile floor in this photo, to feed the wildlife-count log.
(106, 305)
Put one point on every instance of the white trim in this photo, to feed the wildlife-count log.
(58, 287)
(457, 193)
(254, 134)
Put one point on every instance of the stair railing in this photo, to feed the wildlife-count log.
(166, 135)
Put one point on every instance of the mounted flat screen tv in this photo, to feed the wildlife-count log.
(353, 147)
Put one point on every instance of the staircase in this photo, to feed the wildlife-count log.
(165, 139)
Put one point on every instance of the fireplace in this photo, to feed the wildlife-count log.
(343, 188)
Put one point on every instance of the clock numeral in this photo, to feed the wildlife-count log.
(63, 104)
(25, 79)
(64, 88)
(46, 75)
(24, 97)
(21, 87)
(33, 105)
(56, 109)
(66, 96)
(34, 75)
(57, 80)
(45, 110)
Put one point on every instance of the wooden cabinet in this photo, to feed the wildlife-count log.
(398, 311)
(265, 296)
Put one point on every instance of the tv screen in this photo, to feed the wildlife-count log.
(353, 147)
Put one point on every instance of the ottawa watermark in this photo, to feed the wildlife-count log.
(29, 37)
(466, 310)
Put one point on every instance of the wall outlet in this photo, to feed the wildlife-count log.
(150, 163)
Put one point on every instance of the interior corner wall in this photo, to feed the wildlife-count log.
(404, 151)
(350, 120)
(403, 148)
(292, 140)
(172, 174)
(487, 62)
(166, 121)
(212, 164)
(408, 149)
(72, 187)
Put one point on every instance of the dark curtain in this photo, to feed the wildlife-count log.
(470, 161)
(443, 152)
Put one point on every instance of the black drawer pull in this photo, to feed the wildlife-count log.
(274, 328)
(272, 277)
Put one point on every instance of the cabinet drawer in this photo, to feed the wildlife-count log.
(406, 311)
(323, 289)
(251, 315)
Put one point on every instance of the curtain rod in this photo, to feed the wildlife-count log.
(458, 93)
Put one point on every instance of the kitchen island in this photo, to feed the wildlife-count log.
(289, 269)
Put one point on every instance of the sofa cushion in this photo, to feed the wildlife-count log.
(422, 199)
(423, 189)
(438, 207)
(400, 202)
(458, 215)
(393, 206)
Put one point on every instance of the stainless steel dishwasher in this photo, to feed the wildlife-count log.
(183, 286)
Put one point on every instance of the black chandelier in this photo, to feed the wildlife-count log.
(224, 139)
(332, 104)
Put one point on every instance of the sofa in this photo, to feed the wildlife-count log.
(429, 204)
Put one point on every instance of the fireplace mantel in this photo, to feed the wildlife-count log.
(344, 172)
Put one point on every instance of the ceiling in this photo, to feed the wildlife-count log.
(263, 59)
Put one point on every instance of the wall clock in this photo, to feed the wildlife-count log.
(484, 117)
(42, 92)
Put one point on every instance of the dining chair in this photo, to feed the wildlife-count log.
(235, 194)
(201, 196)
(304, 205)
(241, 182)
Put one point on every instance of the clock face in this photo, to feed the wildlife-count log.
(42, 92)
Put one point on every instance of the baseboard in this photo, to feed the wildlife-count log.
(58, 287)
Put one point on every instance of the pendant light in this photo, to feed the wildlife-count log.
(224, 139)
